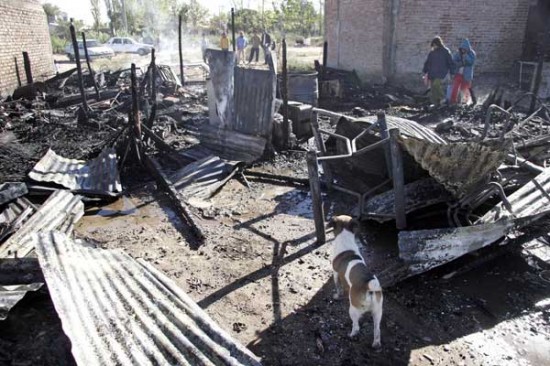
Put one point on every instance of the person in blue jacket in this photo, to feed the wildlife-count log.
(438, 64)
(464, 61)
(242, 42)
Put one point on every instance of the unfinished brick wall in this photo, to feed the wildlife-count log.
(495, 27)
(355, 35)
(23, 27)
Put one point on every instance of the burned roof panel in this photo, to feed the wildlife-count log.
(116, 310)
(15, 215)
(11, 190)
(458, 166)
(406, 127)
(99, 175)
(60, 212)
(232, 145)
(530, 200)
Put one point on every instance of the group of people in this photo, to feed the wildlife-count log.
(256, 42)
(460, 67)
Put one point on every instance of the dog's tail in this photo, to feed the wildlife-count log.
(374, 285)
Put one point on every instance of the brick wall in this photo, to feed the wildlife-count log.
(495, 27)
(23, 27)
(355, 35)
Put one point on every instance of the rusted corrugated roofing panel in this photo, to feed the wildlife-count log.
(254, 101)
(406, 127)
(60, 212)
(15, 215)
(99, 175)
(458, 166)
(117, 311)
(202, 178)
(529, 201)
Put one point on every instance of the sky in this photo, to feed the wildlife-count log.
(80, 9)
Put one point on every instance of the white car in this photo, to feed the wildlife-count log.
(95, 50)
(128, 45)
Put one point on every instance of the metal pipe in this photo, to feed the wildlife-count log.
(317, 203)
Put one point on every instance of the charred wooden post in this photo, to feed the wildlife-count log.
(17, 73)
(317, 202)
(233, 27)
(322, 148)
(89, 66)
(28, 70)
(381, 116)
(181, 207)
(398, 179)
(284, 90)
(79, 71)
(153, 78)
(182, 76)
(325, 58)
(135, 105)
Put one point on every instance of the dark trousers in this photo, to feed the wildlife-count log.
(254, 51)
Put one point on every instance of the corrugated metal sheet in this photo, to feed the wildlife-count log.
(426, 249)
(406, 127)
(117, 311)
(231, 145)
(419, 194)
(60, 212)
(11, 190)
(220, 88)
(254, 101)
(530, 200)
(458, 166)
(202, 178)
(99, 175)
(11, 295)
(15, 215)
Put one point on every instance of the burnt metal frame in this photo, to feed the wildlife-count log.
(393, 160)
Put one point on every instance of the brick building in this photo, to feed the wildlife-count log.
(23, 27)
(390, 38)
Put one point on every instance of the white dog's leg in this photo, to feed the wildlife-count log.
(376, 318)
(339, 289)
(355, 315)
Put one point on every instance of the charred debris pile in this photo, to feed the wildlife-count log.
(451, 180)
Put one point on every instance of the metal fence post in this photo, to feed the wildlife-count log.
(315, 188)
(384, 134)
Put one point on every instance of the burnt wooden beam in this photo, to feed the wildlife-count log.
(20, 271)
(284, 91)
(89, 66)
(17, 73)
(79, 71)
(398, 180)
(181, 208)
(28, 69)
(317, 202)
(162, 145)
(182, 76)
(233, 27)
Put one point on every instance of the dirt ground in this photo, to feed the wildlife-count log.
(262, 276)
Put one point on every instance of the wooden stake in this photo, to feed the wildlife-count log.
(28, 70)
(135, 106)
(17, 73)
(284, 90)
(317, 202)
(79, 71)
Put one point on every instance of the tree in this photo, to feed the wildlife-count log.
(96, 14)
(299, 16)
(52, 11)
(193, 14)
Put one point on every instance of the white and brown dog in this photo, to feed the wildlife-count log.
(350, 272)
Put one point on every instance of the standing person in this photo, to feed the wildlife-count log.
(204, 47)
(438, 64)
(464, 61)
(266, 44)
(256, 41)
(224, 42)
(241, 45)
